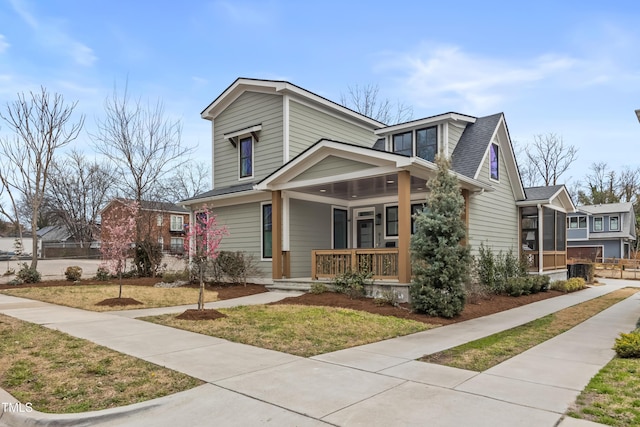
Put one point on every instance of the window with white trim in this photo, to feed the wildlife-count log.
(177, 223)
(159, 220)
(614, 223)
(577, 222)
(598, 224)
(494, 161)
(245, 155)
(177, 244)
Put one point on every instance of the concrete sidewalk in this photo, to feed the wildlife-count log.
(376, 384)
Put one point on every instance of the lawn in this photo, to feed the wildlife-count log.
(299, 330)
(484, 353)
(86, 296)
(58, 373)
(612, 396)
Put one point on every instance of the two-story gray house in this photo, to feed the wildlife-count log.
(311, 188)
(597, 232)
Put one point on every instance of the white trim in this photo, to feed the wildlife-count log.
(171, 217)
(286, 151)
(315, 198)
(426, 121)
(231, 199)
(342, 208)
(286, 214)
(354, 223)
(365, 173)
(577, 217)
(253, 156)
(445, 140)
(262, 258)
(213, 155)
(497, 145)
(594, 224)
(618, 227)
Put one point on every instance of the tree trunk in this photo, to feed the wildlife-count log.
(34, 242)
(201, 295)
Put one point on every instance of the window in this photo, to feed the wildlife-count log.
(340, 228)
(391, 221)
(176, 223)
(177, 245)
(614, 223)
(597, 224)
(495, 166)
(416, 209)
(403, 144)
(267, 234)
(427, 143)
(246, 157)
(159, 220)
(576, 222)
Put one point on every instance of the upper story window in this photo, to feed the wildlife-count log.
(614, 223)
(159, 220)
(246, 157)
(494, 159)
(177, 223)
(577, 222)
(403, 143)
(598, 223)
(427, 143)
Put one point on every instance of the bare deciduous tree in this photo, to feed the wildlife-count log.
(192, 179)
(600, 186)
(365, 100)
(548, 158)
(41, 123)
(144, 146)
(79, 189)
(629, 184)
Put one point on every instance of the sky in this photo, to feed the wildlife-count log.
(571, 68)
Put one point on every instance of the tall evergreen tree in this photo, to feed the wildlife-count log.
(440, 263)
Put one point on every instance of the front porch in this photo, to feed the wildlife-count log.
(329, 263)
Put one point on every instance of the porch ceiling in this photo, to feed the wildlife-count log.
(363, 188)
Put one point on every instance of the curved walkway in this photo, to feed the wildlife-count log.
(375, 384)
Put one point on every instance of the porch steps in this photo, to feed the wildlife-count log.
(293, 285)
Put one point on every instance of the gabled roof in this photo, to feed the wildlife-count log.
(542, 193)
(548, 195)
(470, 150)
(53, 233)
(241, 85)
(417, 123)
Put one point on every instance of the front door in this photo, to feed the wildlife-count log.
(365, 233)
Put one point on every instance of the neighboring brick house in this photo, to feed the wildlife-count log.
(161, 222)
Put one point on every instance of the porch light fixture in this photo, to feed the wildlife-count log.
(322, 190)
(390, 181)
(354, 196)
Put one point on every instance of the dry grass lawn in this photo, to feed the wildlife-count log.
(58, 373)
(299, 330)
(87, 296)
(484, 353)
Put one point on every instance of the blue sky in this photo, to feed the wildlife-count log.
(567, 67)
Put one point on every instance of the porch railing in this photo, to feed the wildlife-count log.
(551, 260)
(329, 263)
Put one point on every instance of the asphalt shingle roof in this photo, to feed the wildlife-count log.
(222, 191)
(541, 193)
(468, 154)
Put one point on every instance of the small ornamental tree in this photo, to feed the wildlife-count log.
(202, 241)
(117, 238)
(440, 263)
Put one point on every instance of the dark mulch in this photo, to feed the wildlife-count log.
(115, 302)
(206, 314)
(484, 307)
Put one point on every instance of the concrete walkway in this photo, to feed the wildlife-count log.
(375, 384)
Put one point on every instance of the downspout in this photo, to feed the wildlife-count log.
(540, 241)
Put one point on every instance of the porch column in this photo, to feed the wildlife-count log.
(276, 234)
(540, 239)
(404, 226)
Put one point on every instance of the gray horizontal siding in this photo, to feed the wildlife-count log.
(493, 216)
(455, 133)
(309, 228)
(332, 166)
(249, 109)
(308, 125)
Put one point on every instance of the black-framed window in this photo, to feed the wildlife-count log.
(403, 143)
(267, 234)
(427, 143)
(495, 162)
(246, 157)
(340, 228)
(391, 221)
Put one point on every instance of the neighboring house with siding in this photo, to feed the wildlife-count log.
(310, 188)
(160, 222)
(601, 231)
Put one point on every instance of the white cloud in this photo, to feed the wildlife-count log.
(259, 13)
(4, 44)
(21, 7)
(448, 75)
(82, 54)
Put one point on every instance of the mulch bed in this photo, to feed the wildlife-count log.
(484, 307)
(116, 302)
(206, 314)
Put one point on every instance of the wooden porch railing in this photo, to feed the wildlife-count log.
(551, 260)
(329, 263)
